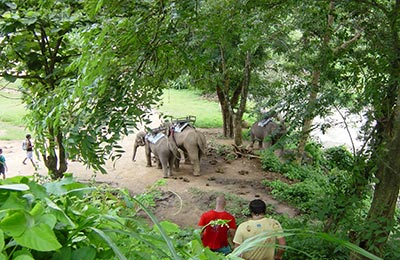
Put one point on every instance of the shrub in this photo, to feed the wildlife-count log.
(338, 157)
(269, 161)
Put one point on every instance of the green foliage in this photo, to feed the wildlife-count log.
(71, 220)
(270, 162)
(339, 157)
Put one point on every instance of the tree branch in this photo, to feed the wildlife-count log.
(374, 4)
(347, 43)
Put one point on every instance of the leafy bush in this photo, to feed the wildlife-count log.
(269, 161)
(297, 172)
(314, 154)
(71, 220)
(340, 157)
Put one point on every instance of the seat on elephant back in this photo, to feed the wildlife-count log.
(155, 134)
(264, 122)
(180, 124)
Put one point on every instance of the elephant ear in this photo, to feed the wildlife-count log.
(141, 136)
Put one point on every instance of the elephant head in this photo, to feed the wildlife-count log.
(267, 128)
(139, 141)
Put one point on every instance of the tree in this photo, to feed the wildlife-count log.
(86, 82)
(36, 47)
(223, 58)
(380, 60)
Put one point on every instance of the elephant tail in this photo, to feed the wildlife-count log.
(173, 148)
(201, 143)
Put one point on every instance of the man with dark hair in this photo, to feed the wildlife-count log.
(259, 224)
(217, 227)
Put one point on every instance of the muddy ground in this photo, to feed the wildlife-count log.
(184, 196)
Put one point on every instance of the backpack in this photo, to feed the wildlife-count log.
(24, 145)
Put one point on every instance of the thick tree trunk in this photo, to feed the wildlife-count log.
(380, 219)
(223, 97)
(244, 89)
(227, 116)
(56, 165)
(308, 118)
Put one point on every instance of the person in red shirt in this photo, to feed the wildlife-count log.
(217, 225)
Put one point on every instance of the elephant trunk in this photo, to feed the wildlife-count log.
(135, 146)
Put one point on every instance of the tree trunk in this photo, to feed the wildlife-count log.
(243, 99)
(380, 219)
(227, 117)
(56, 165)
(308, 118)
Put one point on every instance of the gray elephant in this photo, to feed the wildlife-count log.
(163, 148)
(191, 141)
(266, 128)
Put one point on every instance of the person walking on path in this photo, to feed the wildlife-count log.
(260, 224)
(217, 226)
(28, 146)
(3, 165)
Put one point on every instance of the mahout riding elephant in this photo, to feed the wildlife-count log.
(191, 141)
(164, 149)
(266, 128)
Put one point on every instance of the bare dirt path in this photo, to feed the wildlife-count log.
(241, 177)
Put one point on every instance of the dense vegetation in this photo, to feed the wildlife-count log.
(91, 71)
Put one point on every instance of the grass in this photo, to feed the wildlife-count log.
(176, 103)
(12, 112)
(181, 103)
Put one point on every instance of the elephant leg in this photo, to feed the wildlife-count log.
(195, 159)
(148, 159)
(159, 164)
(177, 160)
(164, 166)
(176, 163)
(187, 157)
(252, 144)
(196, 168)
(171, 162)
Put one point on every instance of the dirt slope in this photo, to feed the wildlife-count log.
(241, 177)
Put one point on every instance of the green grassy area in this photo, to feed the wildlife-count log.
(176, 103)
(11, 112)
(181, 103)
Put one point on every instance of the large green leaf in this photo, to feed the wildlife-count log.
(87, 253)
(17, 187)
(24, 257)
(15, 224)
(40, 237)
(63, 254)
(168, 227)
(13, 202)
(60, 214)
(1, 240)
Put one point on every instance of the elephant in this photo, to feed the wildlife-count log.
(163, 148)
(266, 128)
(191, 141)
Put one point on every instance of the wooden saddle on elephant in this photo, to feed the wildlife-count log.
(155, 134)
(179, 124)
(264, 122)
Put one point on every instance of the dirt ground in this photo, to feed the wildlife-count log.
(241, 177)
